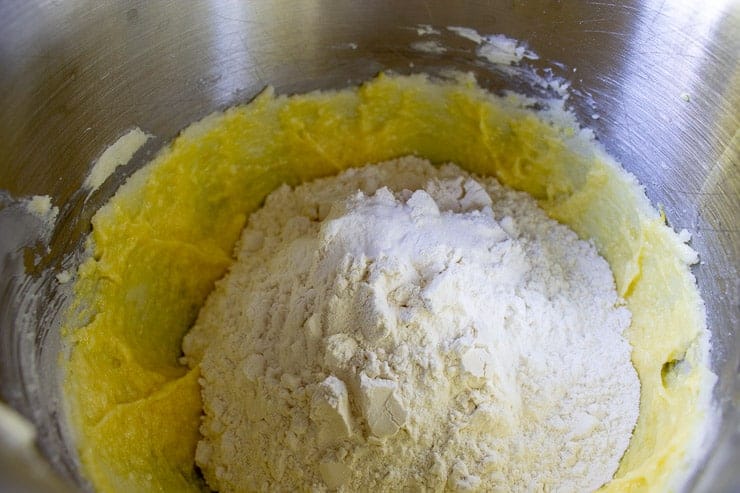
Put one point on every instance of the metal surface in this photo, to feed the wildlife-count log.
(662, 77)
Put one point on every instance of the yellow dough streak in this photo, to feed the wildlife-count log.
(168, 234)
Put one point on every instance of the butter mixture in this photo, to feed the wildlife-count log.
(404, 327)
(169, 234)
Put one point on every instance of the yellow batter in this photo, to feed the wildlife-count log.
(158, 246)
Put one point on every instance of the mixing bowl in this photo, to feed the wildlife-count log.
(658, 82)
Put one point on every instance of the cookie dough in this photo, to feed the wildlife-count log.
(160, 243)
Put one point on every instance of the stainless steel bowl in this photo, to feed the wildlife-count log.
(74, 75)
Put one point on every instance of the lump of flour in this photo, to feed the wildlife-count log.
(408, 327)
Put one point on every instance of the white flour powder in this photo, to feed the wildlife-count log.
(406, 327)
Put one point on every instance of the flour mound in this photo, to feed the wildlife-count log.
(407, 327)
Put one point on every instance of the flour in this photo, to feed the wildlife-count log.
(407, 327)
